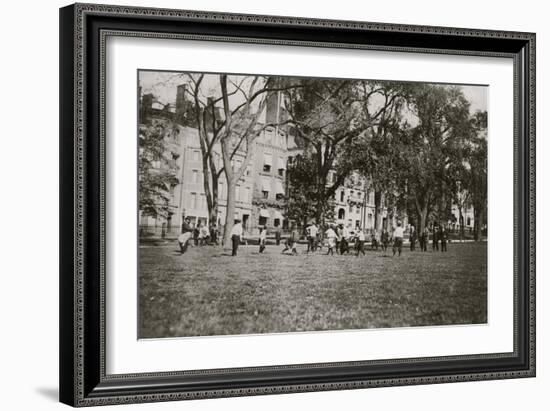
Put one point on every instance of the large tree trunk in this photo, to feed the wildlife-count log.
(213, 211)
(422, 209)
(478, 218)
(377, 203)
(423, 212)
(230, 212)
(206, 184)
(461, 223)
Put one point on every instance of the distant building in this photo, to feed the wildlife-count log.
(354, 205)
(467, 215)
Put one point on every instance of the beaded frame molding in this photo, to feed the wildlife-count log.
(83, 32)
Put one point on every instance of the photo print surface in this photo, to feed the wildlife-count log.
(276, 204)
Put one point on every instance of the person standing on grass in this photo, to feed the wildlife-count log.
(435, 239)
(344, 238)
(290, 243)
(331, 236)
(236, 236)
(263, 237)
(412, 238)
(425, 236)
(213, 234)
(443, 236)
(398, 239)
(384, 239)
(278, 236)
(185, 236)
(312, 237)
(360, 241)
(374, 240)
(308, 238)
(196, 232)
(338, 231)
(204, 235)
(295, 237)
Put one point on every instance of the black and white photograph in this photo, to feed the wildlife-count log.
(276, 204)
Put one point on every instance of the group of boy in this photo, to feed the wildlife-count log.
(438, 234)
(199, 233)
(337, 238)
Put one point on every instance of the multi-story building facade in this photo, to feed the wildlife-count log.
(354, 205)
(259, 192)
(269, 169)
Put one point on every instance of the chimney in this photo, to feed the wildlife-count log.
(272, 109)
(146, 108)
(209, 109)
(181, 105)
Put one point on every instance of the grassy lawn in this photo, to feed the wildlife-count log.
(208, 292)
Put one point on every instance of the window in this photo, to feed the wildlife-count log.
(203, 202)
(237, 193)
(267, 162)
(342, 195)
(196, 155)
(281, 166)
(247, 197)
(195, 176)
(193, 201)
(341, 214)
(357, 209)
(350, 208)
(248, 170)
(266, 187)
(279, 190)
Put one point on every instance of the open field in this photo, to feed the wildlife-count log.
(208, 292)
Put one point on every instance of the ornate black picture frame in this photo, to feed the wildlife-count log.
(83, 30)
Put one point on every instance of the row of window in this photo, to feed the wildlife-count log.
(354, 195)
(197, 201)
(237, 164)
(280, 165)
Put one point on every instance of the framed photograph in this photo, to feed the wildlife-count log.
(261, 204)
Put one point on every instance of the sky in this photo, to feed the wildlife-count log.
(163, 85)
